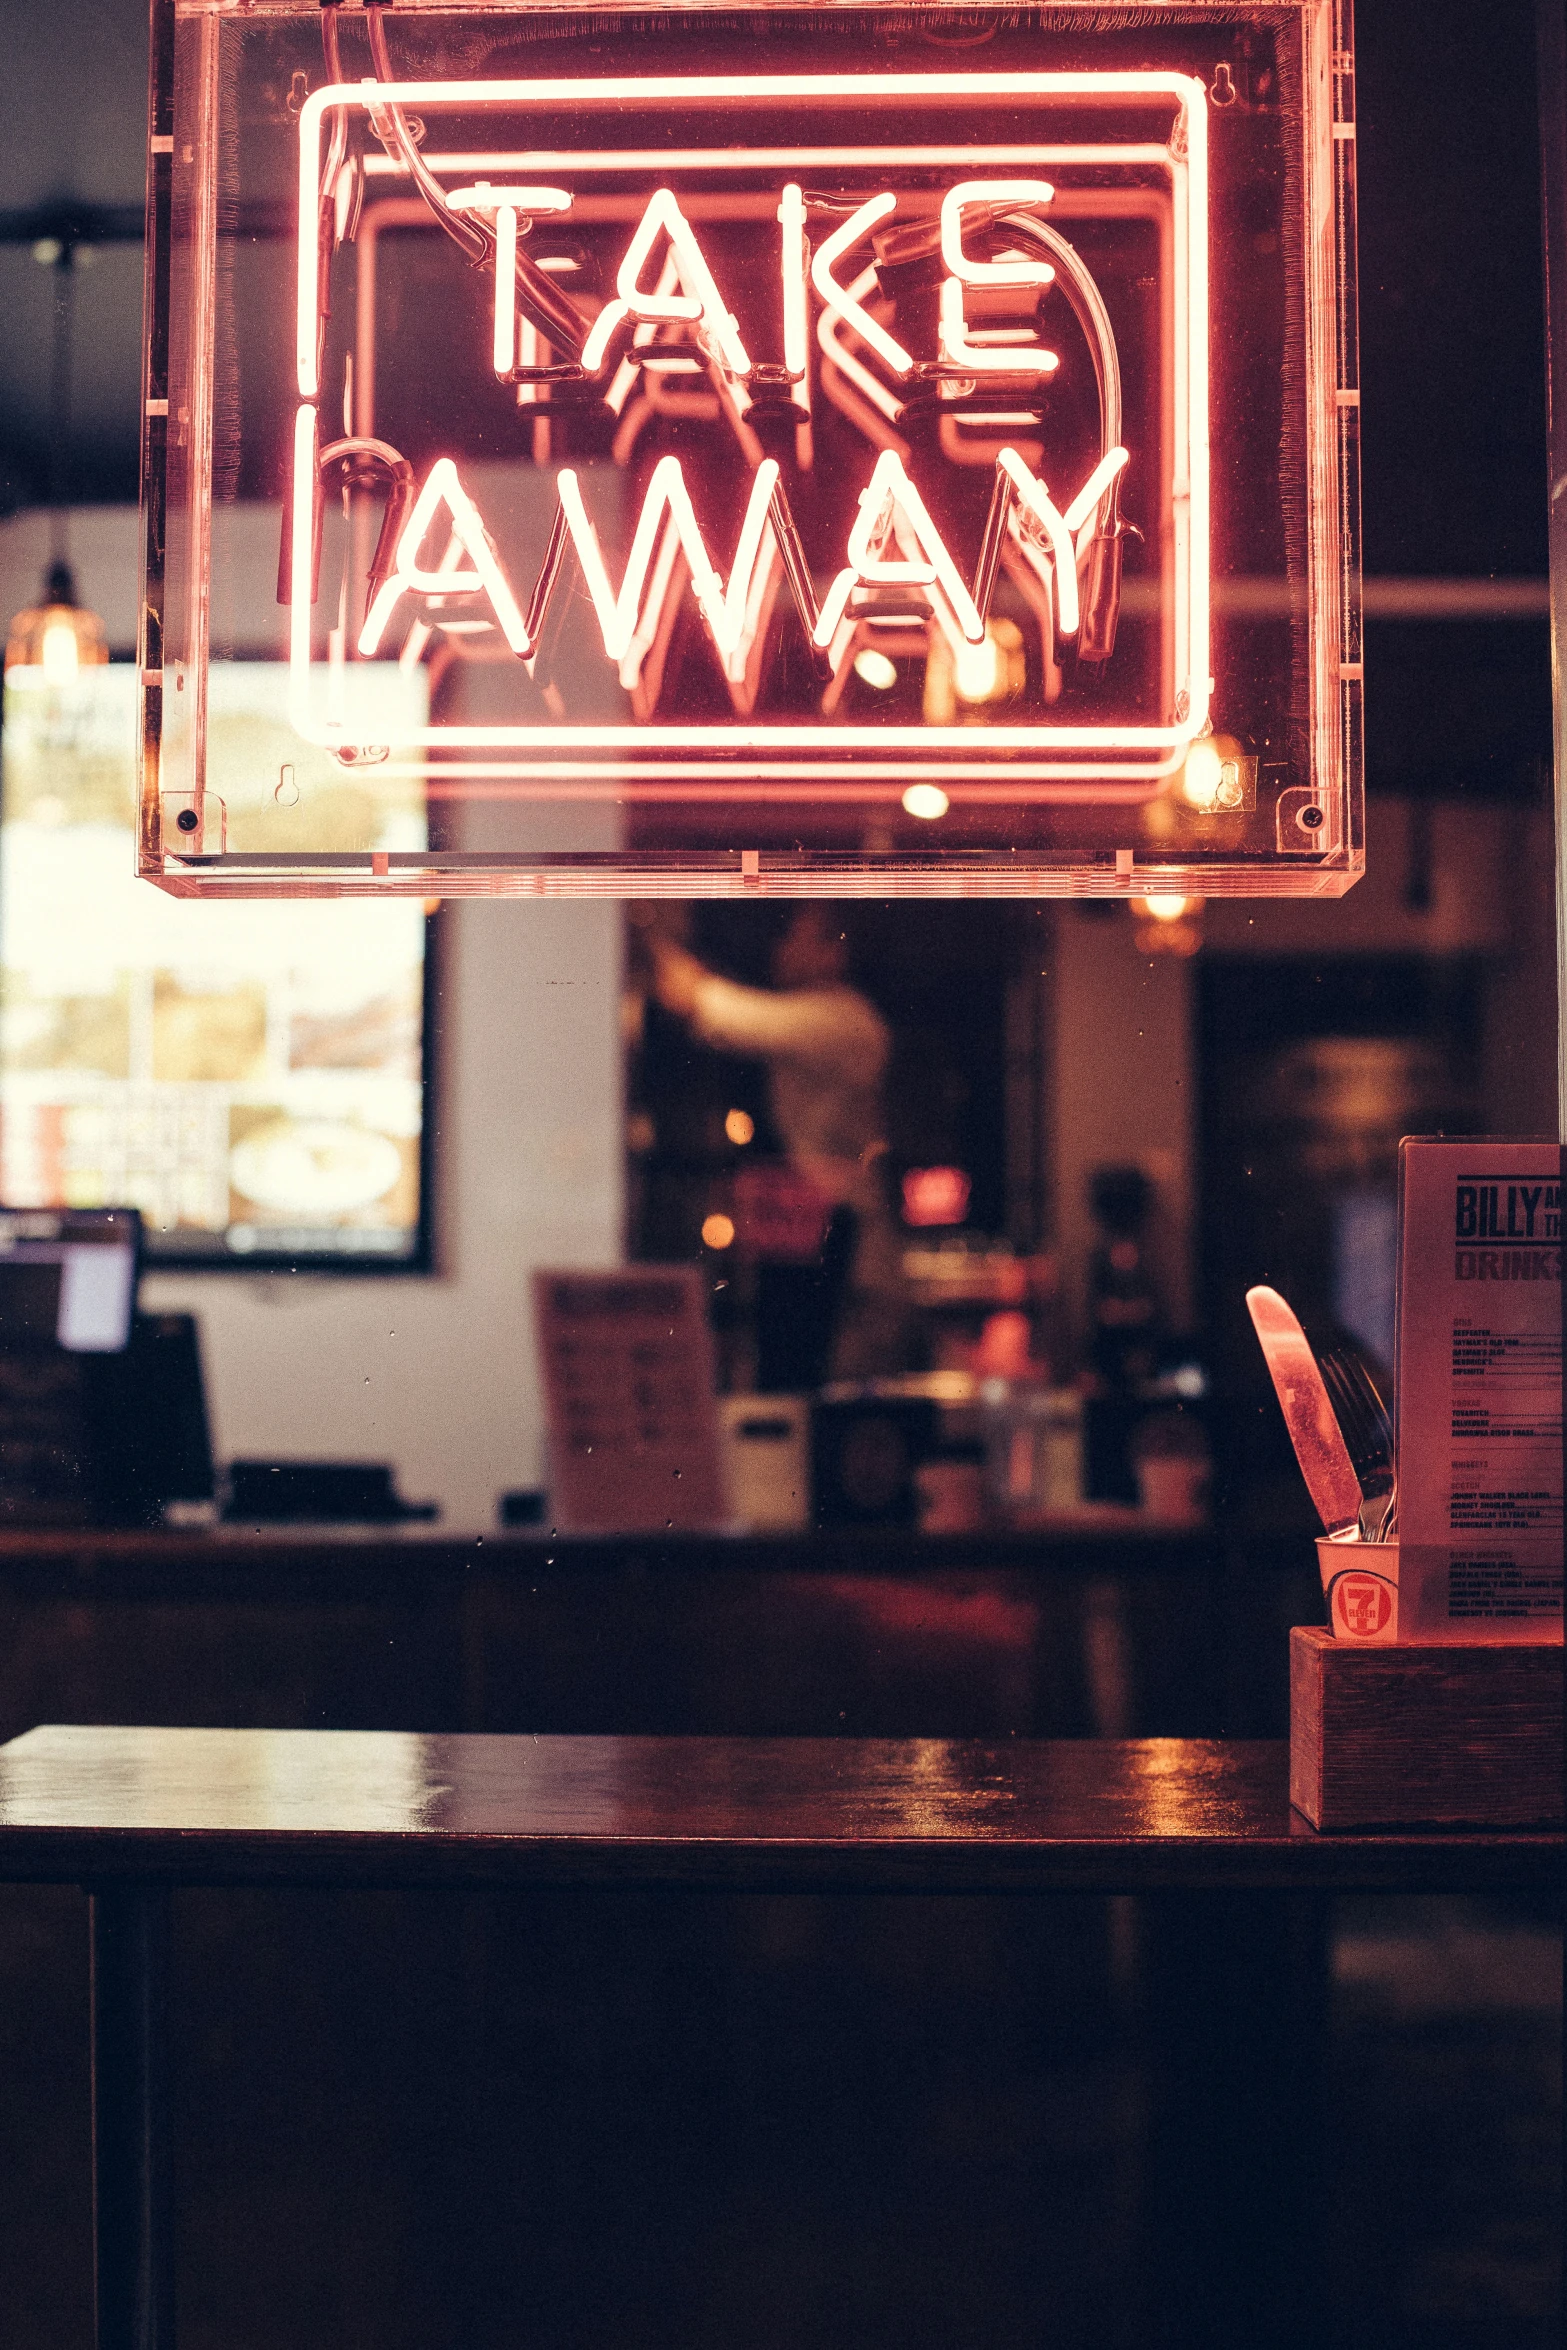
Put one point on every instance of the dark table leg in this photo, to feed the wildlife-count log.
(1236, 2015)
(133, 2271)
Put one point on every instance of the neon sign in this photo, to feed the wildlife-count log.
(783, 463)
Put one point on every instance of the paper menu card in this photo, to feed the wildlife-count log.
(627, 1364)
(1480, 1390)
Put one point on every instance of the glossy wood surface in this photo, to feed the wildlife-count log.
(96, 1805)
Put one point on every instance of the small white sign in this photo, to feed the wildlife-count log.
(627, 1361)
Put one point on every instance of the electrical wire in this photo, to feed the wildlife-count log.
(61, 374)
(390, 125)
(1088, 308)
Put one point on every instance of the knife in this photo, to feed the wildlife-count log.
(1308, 1415)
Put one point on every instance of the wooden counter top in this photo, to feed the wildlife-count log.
(194, 1806)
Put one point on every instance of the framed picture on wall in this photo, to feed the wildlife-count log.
(254, 1079)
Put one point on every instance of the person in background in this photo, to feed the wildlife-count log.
(826, 1048)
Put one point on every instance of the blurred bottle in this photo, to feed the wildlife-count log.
(1034, 1449)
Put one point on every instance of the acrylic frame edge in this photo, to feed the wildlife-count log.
(1335, 716)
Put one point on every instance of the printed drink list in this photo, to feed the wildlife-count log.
(1480, 1390)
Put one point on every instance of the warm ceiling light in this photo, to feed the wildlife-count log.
(927, 800)
(58, 656)
(59, 636)
(874, 668)
(717, 1231)
(1166, 924)
(739, 1125)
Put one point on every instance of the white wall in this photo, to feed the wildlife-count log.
(1125, 1084)
(434, 1374)
(438, 1374)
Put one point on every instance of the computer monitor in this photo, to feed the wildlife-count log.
(68, 1279)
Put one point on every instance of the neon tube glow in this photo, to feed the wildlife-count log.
(668, 295)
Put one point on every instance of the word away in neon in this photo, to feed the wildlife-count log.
(894, 553)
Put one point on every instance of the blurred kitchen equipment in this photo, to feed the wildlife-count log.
(152, 1418)
(1035, 1447)
(950, 1487)
(322, 1493)
(961, 1289)
(1170, 1460)
(867, 1441)
(767, 1449)
(523, 1506)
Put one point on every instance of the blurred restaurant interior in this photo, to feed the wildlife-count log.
(1002, 1458)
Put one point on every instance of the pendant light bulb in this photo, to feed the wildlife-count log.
(58, 636)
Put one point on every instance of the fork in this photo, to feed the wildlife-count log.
(1368, 1433)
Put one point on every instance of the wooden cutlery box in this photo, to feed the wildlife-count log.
(1425, 1736)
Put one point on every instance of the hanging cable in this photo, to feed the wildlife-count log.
(61, 588)
(59, 636)
(390, 125)
(551, 311)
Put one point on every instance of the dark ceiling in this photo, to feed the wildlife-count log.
(73, 136)
(1450, 304)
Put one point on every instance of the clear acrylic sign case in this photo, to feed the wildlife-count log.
(817, 451)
